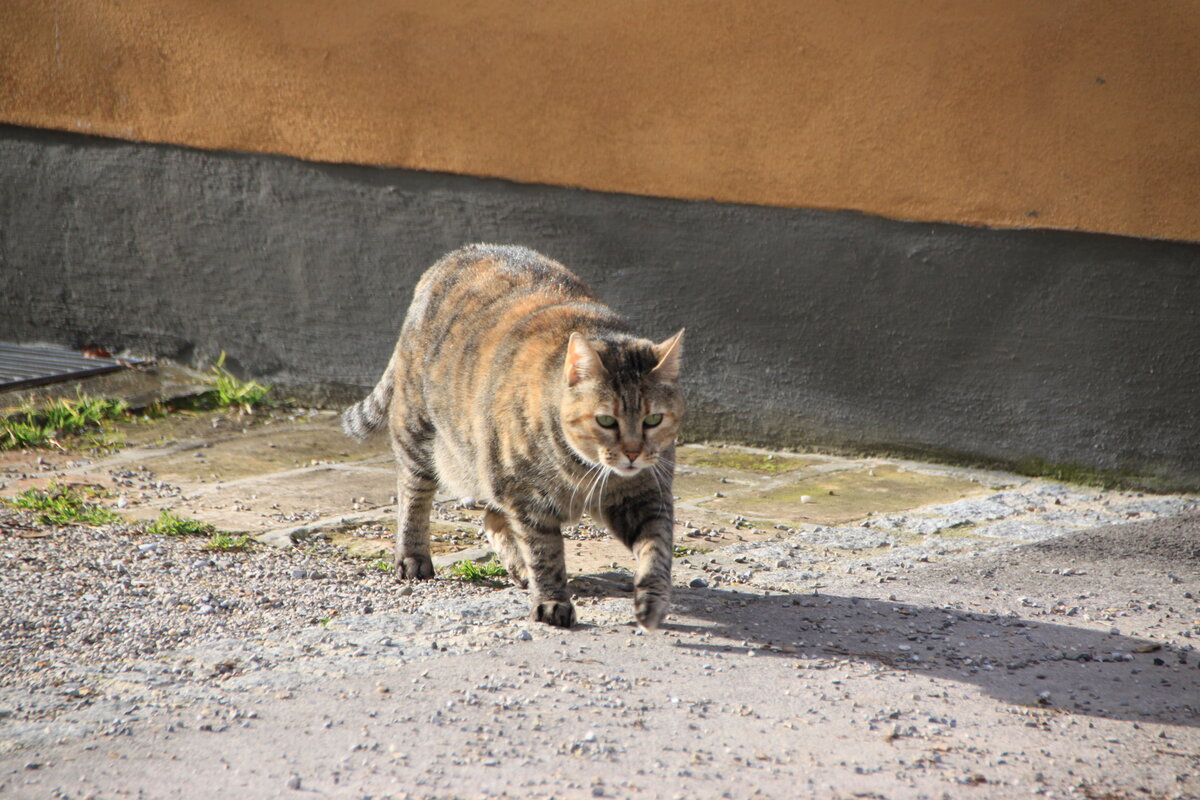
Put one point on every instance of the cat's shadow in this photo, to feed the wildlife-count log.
(1018, 661)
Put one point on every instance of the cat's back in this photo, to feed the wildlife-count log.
(483, 289)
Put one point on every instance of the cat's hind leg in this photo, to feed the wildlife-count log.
(504, 542)
(414, 502)
(415, 487)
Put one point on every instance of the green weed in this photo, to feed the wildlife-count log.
(485, 573)
(63, 505)
(227, 542)
(230, 392)
(383, 565)
(32, 426)
(169, 524)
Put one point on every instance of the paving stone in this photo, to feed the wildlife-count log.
(732, 459)
(846, 495)
(1021, 530)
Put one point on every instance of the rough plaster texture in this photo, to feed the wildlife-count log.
(803, 326)
(1027, 113)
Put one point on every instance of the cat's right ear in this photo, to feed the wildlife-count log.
(582, 361)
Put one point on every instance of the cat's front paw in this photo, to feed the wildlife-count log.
(559, 613)
(414, 567)
(650, 609)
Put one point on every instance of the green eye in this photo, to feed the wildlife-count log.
(605, 421)
(652, 420)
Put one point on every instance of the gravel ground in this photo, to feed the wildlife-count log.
(80, 603)
(145, 666)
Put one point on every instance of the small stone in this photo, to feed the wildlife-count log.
(698, 583)
(804, 498)
(299, 573)
(294, 782)
(523, 635)
(205, 609)
(405, 591)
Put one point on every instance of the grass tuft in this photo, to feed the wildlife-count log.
(63, 505)
(486, 573)
(231, 392)
(383, 565)
(32, 427)
(227, 542)
(169, 524)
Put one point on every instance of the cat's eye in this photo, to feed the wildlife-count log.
(605, 421)
(652, 420)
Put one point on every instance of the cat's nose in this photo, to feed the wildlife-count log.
(633, 454)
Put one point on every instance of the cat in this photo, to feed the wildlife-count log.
(514, 384)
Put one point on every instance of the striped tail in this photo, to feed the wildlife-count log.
(370, 415)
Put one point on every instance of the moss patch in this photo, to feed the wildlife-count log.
(736, 459)
(841, 497)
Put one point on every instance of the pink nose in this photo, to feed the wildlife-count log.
(633, 454)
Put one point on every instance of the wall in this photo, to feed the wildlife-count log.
(1028, 113)
(804, 327)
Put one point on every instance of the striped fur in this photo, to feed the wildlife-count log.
(506, 367)
(370, 415)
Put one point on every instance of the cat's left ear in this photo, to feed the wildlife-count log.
(670, 355)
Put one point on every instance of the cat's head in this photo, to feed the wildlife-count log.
(621, 400)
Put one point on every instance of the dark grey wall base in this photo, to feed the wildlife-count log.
(804, 327)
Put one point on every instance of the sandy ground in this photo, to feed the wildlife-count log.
(991, 676)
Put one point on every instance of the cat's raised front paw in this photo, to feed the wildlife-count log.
(414, 567)
(650, 609)
(559, 613)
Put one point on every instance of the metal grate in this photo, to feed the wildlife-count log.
(23, 365)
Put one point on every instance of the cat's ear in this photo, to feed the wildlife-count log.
(670, 355)
(582, 361)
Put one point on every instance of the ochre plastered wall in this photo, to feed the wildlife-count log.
(1022, 113)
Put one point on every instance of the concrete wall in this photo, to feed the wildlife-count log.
(1069, 114)
(804, 327)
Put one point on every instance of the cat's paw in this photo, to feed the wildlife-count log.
(516, 573)
(650, 609)
(414, 567)
(559, 613)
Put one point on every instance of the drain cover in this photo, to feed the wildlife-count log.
(24, 365)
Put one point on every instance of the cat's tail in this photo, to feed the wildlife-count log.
(370, 415)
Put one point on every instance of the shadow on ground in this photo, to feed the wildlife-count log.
(1142, 569)
(1016, 661)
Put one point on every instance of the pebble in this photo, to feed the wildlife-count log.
(294, 783)
(523, 635)
(698, 583)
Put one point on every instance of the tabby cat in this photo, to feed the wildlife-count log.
(514, 384)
